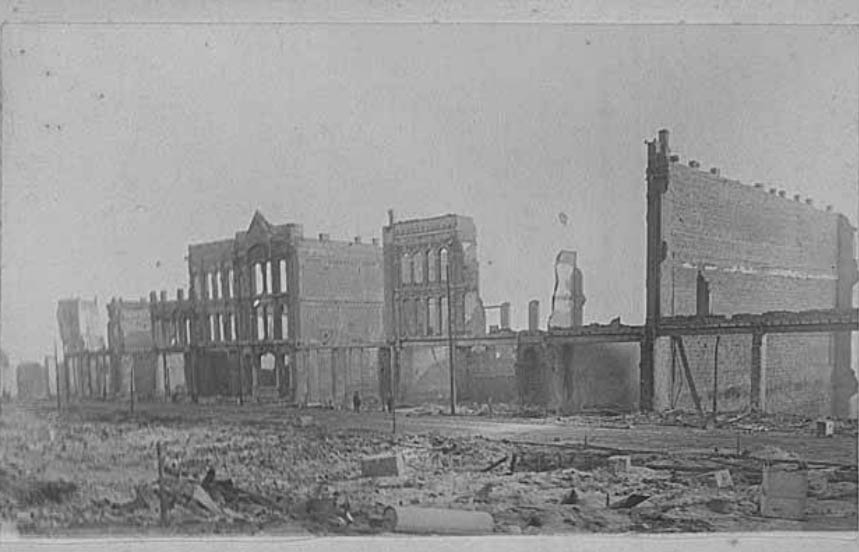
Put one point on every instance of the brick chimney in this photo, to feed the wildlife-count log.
(694, 164)
(663, 142)
(324, 237)
(715, 171)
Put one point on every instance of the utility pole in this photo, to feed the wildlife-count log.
(393, 361)
(450, 344)
(716, 374)
(57, 375)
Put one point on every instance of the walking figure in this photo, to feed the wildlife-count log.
(356, 401)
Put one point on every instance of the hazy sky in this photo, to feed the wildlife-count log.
(122, 144)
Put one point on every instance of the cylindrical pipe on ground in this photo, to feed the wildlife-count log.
(439, 521)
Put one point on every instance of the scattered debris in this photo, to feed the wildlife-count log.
(571, 498)
(494, 465)
(382, 465)
(619, 464)
(784, 492)
(629, 502)
(720, 505)
(722, 479)
(825, 428)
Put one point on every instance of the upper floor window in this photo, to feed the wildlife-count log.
(268, 277)
(231, 283)
(259, 279)
(284, 323)
(219, 287)
(443, 267)
(406, 268)
(418, 261)
(432, 266)
(210, 285)
(282, 271)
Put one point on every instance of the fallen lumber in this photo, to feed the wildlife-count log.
(494, 465)
(439, 521)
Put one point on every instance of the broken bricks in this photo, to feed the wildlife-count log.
(382, 465)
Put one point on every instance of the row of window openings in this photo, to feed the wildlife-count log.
(173, 328)
(262, 281)
(263, 322)
(425, 316)
(416, 266)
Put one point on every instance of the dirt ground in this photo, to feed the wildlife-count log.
(269, 469)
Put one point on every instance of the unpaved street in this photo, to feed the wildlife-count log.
(274, 470)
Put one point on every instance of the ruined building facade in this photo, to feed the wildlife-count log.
(263, 295)
(424, 258)
(716, 247)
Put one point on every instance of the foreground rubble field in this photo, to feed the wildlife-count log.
(273, 470)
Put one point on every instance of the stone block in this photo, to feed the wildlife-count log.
(619, 464)
(784, 493)
(825, 428)
(722, 479)
(382, 465)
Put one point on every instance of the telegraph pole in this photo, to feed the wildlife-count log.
(57, 375)
(450, 345)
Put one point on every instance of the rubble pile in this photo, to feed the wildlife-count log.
(293, 474)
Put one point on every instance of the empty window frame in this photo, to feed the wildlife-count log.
(282, 271)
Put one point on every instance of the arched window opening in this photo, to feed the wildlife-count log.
(282, 269)
(259, 284)
(443, 265)
(406, 269)
(432, 266)
(418, 261)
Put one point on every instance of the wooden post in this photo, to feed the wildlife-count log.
(131, 385)
(716, 374)
(757, 380)
(450, 345)
(167, 392)
(57, 376)
(241, 378)
(161, 492)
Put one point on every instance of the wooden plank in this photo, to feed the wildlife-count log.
(678, 341)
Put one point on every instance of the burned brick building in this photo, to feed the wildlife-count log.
(258, 298)
(716, 247)
(431, 263)
(425, 258)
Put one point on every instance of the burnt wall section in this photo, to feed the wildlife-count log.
(754, 252)
(483, 373)
(573, 377)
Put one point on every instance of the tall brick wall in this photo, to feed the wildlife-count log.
(340, 292)
(758, 252)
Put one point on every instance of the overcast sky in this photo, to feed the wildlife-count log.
(122, 144)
